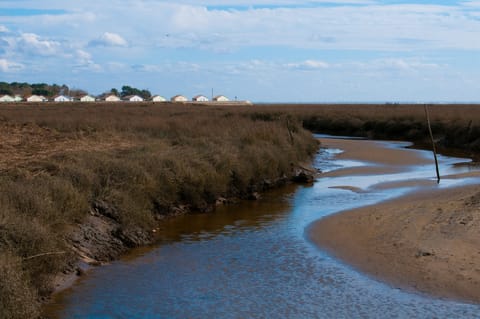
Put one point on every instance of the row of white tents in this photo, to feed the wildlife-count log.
(110, 98)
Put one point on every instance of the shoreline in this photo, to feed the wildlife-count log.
(99, 229)
(424, 242)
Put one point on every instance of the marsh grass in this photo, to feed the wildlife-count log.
(58, 161)
(17, 297)
(143, 161)
(455, 126)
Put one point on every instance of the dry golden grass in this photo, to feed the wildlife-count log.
(455, 126)
(144, 161)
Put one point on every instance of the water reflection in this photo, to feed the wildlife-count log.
(229, 219)
(252, 261)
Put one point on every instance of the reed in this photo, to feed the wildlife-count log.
(58, 162)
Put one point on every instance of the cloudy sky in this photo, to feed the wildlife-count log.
(261, 50)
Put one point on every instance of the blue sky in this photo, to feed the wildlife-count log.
(263, 51)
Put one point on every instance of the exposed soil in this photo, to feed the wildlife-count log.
(427, 242)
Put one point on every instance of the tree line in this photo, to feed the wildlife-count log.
(50, 90)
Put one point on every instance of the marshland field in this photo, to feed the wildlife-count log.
(85, 183)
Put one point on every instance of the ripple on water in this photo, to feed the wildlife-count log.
(253, 261)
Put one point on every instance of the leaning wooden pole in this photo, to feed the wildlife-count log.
(433, 142)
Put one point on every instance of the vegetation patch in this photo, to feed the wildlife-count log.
(91, 181)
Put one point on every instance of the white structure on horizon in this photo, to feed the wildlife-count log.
(133, 98)
(7, 98)
(179, 98)
(62, 98)
(200, 98)
(158, 98)
(221, 98)
(36, 98)
(87, 98)
(112, 98)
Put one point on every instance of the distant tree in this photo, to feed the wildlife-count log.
(114, 91)
(128, 90)
(17, 85)
(5, 88)
(26, 89)
(39, 86)
(23, 89)
(64, 90)
(77, 93)
(146, 94)
(41, 89)
(43, 92)
(53, 90)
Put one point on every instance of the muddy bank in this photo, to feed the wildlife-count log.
(101, 237)
(426, 242)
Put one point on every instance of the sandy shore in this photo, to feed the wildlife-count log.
(427, 242)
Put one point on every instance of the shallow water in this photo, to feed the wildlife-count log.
(253, 261)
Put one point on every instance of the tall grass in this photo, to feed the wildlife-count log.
(454, 126)
(140, 162)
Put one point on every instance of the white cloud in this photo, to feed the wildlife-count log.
(116, 67)
(85, 62)
(42, 54)
(273, 3)
(83, 56)
(220, 39)
(33, 44)
(7, 66)
(109, 39)
(368, 27)
(380, 67)
(342, 24)
(474, 3)
(309, 65)
(398, 64)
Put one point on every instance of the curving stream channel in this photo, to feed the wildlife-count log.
(254, 261)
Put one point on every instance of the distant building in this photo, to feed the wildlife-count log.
(133, 98)
(200, 98)
(112, 98)
(62, 98)
(221, 98)
(179, 98)
(18, 98)
(87, 98)
(7, 98)
(36, 98)
(158, 98)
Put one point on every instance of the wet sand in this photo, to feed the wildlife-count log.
(427, 242)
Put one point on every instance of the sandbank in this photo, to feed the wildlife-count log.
(426, 242)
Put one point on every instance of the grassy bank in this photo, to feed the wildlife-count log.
(89, 181)
(63, 167)
(455, 126)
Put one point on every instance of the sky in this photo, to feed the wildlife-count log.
(261, 50)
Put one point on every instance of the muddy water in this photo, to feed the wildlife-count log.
(253, 261)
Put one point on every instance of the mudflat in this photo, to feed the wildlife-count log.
(427, 242)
